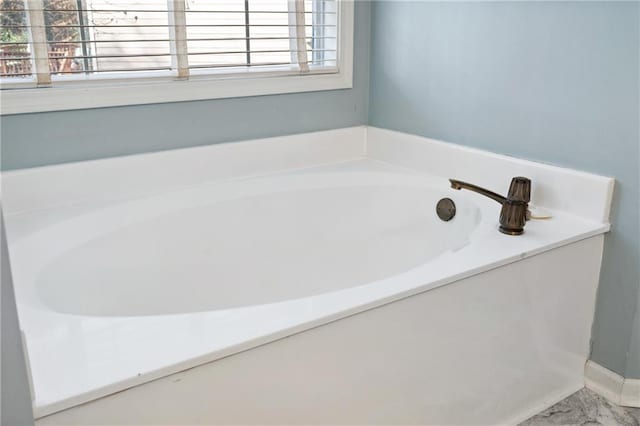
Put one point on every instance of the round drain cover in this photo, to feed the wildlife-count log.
(446, 209)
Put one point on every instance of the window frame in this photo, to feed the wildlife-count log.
(217, 84)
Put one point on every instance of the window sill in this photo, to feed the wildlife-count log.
(82, 96)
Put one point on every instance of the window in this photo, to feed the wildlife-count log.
(68, 54)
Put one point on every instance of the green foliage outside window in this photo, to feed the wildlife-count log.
(58, 15)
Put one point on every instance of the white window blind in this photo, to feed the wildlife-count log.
(46, 42)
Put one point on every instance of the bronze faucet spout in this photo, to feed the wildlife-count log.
(515, 207)
(458, 184)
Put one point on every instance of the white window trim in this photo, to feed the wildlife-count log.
(70, 95)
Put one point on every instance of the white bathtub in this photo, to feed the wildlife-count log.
(129, 282)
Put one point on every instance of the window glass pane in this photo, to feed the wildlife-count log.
(103, 36)
(98, 37)
(323, 31)
(15, 48)
(270, 28)
(258, 32)
(216, 33)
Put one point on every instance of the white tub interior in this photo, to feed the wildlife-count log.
(247, 243)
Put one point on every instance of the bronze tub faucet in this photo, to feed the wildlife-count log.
(515, 206)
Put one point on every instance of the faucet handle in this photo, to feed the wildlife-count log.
(520, 189)
(513, 217)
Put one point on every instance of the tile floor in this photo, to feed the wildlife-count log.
(586, 408)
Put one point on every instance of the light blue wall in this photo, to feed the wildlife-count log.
(556, 82)
(633, 360)
(30, 140)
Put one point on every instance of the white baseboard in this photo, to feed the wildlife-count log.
(630, 393)
(612, 386)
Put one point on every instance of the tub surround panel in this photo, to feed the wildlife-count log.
(485, 350)
(135, 175)
(581, 194)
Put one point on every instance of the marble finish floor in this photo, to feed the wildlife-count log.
(586, 408)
